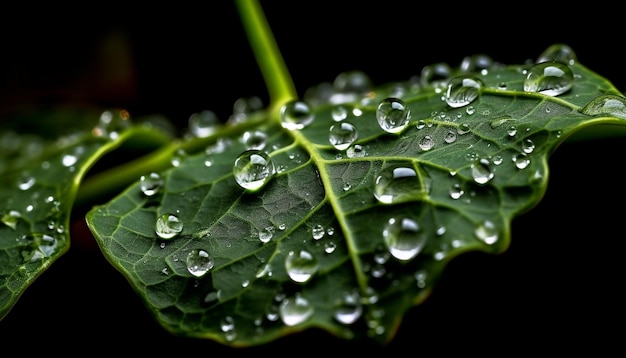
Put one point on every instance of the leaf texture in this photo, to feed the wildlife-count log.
(345, 238)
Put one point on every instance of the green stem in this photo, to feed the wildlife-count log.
(273, 68)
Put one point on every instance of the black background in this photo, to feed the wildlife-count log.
(556, 289)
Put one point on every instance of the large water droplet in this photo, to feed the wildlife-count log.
(403, 237)
(296, 115)
(399, 183)
(199, 262)
(559, 53)
(393, 115)
(151, 183)
(342, 135)
(301, 265)
(295, 310)
(606, 105)
(462, 91)
(549, 78)
(253, 169)
(168, 226)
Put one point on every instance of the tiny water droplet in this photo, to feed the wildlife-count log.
(295, 115)
(151, 183)
(253, 169)
(301, 265)
(403, 237)
(456, 191)
(168, 226)
(26, 183)
(203, 124)
(318, 232)
(549, 78)
(487, 232)
(426, 143)
(393, 115)
(342, 135)
(349, 309)
(199, 262)
(266, 234)
(10, 218)
(462, 91)
(521, 160)
(449, 137)
(339, 113)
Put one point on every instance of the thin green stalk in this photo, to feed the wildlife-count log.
(273, 68)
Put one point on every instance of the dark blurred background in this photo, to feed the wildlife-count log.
(555, 290)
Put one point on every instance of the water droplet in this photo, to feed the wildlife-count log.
(10, 218)
(435, 74)
(393, 115)
(318, 232)
(350, 308)
(199, 262)
(403, 237)
(339, 113)
(426, 143)
(356, 151)
(26, 183)
(301, 265)
(69, 160)
(512, 131)
(266, 234)
(203, 124)
(296, 115)
(476, 63)
(151, 183)
(254, 139)
(528, 146)
(487, 232)
(449, 137)
(295, 310)
(462, 91)
(549, 78)
(342, 135)
(168, 226)
(399, 183)
(253, 169)
(111, 123)
(482, 171)
(456, 191)
(559, 53)
(521, 160)
(607, 105)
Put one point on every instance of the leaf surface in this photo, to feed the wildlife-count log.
(41, 167)
(325, 242)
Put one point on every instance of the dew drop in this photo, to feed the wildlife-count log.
(10, 218)
(68, 160)
(426, 143)
(295, 310)
(559, 53)
(403, 237)
(607, 105)
(203, 124)
(549, 78)
(476, 63)
(393, 115)
(449, 137)
(528, 146)
(462, 91)
(151, 183)
(296, 115)
(199, 262)
(301, 265)
(342, 135)
(318, 232)
(253, 169)
(349, 309)
(487, 232)
(521, 160)
(398, 183)
(26, 183)
(266, 234)
(168, 226)
(482, 171)
(254, 140)
(435, 74)
(339, 113)
(456, 191)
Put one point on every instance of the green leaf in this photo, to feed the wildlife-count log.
(40, 171)
(314, 246)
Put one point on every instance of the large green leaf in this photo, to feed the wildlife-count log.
(315, 246)
(41, 167)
